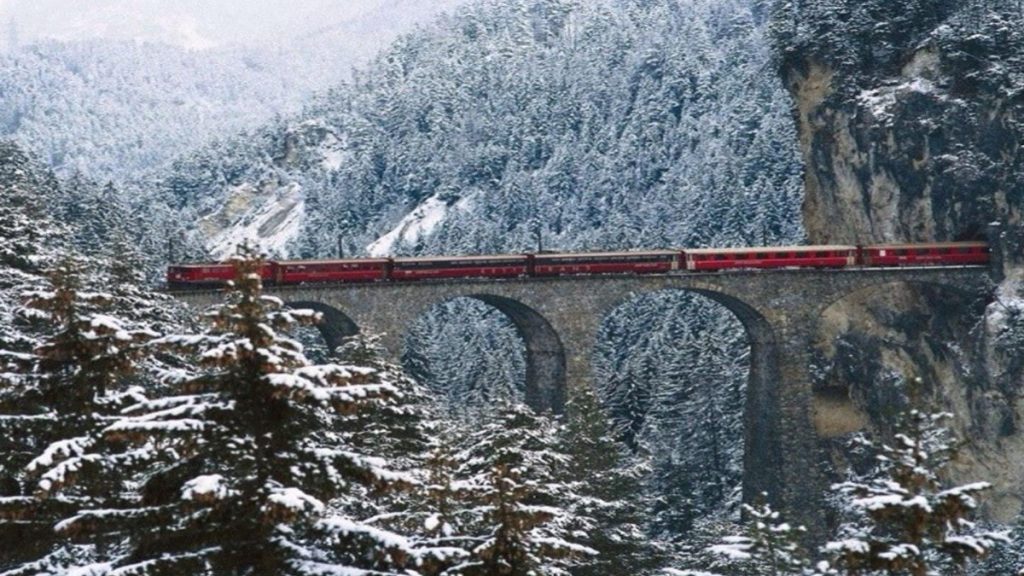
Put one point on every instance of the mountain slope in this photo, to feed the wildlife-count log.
(581, 125)
(608, 125)
(909, 118)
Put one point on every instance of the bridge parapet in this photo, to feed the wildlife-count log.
(559, 320)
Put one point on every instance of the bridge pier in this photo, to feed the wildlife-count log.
(797, 477)
(559, 319)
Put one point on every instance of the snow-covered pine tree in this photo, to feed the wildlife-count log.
(441, 512)
(604, 475)
(56, 398)
(768, 546)
(237, 468)
(27, 241)
(525, 508)
(1006, 560)
(396, 427)
(402, 429)
(24, 225)
(904, 520)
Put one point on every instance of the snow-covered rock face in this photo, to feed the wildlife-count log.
(270, 210)
(269, 218)
(417, 225)
(909, 117)
(910, 128)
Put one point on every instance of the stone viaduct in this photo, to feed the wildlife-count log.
(559, 319)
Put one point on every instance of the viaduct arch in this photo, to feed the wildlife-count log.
(559, 318)
(335, 326)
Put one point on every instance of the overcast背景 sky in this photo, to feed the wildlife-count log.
(362, 26)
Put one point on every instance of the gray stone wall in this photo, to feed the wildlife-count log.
(559, 319)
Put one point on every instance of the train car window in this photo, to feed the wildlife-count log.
(762, 255)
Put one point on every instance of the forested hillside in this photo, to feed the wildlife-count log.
(507, 126)
(137, 440)
(118, 109)
(563, 124)
(117, 96)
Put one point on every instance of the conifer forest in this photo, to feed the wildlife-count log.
(142, 434)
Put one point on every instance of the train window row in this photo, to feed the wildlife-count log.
(407, 269)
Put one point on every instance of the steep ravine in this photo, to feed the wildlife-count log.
(911, 124)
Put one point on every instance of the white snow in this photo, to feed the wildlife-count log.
(881, 100)
(334, 158)
(60, 450)
(99, 569)
(295, 500)
(207, 488)
(419, 223)
(342, 525)
(271, 225)
(734, 548)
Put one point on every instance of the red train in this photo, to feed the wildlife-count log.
(288, 272)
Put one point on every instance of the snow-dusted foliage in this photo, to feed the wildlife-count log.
(769, 544)
(672, 372)
(27, 237)
(242, 467)
(1005, 560)
(603, 476)
(56, 398)
(125, 108)
(592, 124)
(469, 354)
(902, 518)
(524, 517)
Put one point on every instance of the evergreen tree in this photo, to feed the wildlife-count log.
(1007, 559)
(54, 400)
(524, 508)
(768, 545)
(441, 512)
(602, 472)
(904, 520)
(234, 473)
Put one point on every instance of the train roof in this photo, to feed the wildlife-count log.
(509, 257)
(830, 247)
(199, 264)
(975, 244)
(332, 261)
(607, 254)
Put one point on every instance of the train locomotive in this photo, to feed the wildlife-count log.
(294, 272)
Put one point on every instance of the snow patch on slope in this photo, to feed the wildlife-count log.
(416, 225)
(270, 223)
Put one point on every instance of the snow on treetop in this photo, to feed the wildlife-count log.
(852, 544)
(295, 500)
(207, 488)
(318, 569)
(966, 489)
(59, 451)
(885, 500)
(343, 525)
(139, 425)
(559, 544)
(99, 569)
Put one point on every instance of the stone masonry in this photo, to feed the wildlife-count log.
(559, 319)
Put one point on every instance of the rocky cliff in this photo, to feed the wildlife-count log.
(911, 124)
